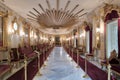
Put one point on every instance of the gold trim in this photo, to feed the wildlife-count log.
(26, 26)
(5, 19)
(108, 9)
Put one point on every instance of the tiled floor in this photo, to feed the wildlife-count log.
(60, 67)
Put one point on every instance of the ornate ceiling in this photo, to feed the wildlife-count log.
(56, 18)
(53, 16)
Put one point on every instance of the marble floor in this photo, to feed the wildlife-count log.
(60, 67)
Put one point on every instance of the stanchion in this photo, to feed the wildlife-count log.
(25, 67)
(109, 71)
(38, 54)
(44, 58)
(45, 53)
(72, 55)
(85, 75)
(69, 52)
(78, 59)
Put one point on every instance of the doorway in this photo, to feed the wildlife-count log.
(57, 41)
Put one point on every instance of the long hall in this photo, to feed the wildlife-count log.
(59, 39)
(60, 67)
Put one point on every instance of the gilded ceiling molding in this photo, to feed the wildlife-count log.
(10, 13)
(82, 26)
(20, 19)
(87, 24)
(96, 18)
(26, 24)
(56, 19)
(108, 9)
(2, 8)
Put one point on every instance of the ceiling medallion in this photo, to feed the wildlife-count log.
(56, 18)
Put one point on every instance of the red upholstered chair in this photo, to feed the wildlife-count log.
(14, 54)
(92, 55)
(14, 57)
(113, 60)
(26, 51)
(81, 50)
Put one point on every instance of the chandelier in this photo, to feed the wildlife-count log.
(56, 18)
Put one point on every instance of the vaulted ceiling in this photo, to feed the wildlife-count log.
(53, 16)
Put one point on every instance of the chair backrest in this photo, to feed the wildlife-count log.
(5, 56)
(113, 54)
(14, 54)
(26, 50)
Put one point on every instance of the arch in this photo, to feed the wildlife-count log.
(112, 15)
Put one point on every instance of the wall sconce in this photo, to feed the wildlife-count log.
(98, 37)
(41, 37)
(68, 39)
(53, 39)
(35, 36)
(72, 37)
(10, 30)
(22, 34)
(101, 26)
(97, 29)
(31, 34)
(82, 34)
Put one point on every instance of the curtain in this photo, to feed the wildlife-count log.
(90, 41)
(111, 15)
(118, 38)
(87, 28)
(105, 25)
